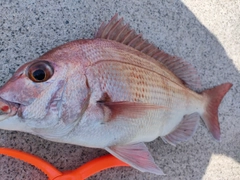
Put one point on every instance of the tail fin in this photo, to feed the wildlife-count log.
(214, 97)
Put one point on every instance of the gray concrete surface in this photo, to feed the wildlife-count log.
(204, 33)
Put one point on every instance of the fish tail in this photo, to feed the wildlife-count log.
(214, 97)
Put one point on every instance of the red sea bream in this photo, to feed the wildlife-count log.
(114, 92)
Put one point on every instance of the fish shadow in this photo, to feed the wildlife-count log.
(172, 27)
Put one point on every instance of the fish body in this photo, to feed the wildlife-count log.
(124, 80)
(112, 92)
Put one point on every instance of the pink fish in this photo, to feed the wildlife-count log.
(114, 92)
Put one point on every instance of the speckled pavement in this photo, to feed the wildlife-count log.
(204, 33)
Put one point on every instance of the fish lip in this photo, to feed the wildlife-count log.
(8, 108)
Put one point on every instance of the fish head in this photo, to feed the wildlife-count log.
(43, 92)
(28, 82)
(29, 93)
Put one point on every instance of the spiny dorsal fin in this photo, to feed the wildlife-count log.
(116, 30)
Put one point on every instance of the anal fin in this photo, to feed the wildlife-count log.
(184, 130)
(137, 156)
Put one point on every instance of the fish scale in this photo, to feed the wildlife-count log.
(121, 80)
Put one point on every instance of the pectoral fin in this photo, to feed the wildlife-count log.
(137, 156)
(184, 130)
(124, 108)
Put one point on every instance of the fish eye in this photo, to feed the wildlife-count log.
(40, 71)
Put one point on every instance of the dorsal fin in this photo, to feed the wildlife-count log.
(117, 31)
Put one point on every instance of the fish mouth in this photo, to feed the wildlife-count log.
(7, 109)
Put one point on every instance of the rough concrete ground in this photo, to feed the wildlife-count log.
(204, 33)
